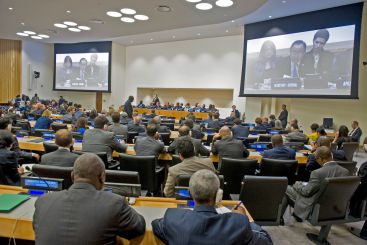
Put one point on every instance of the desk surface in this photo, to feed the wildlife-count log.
(18, 223)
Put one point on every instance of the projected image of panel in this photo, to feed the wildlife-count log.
(82, 71)
(315, 62)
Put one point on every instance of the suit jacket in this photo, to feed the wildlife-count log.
(280, 152)
(308, 194)
(128, 108)
(98, 140)
(205, 226)
(135, 128)
(312, 164)
(229, 147)
(323, 66)
(188, 166)
(147, 146)
(163, 129)
(296, 136)
(216, 124)
(9, 165)
(240, 131)
(118, 129)
(61, 157)
(84, 215)
(19, 153)
(355, 134)
(283, 117)
(199, 148)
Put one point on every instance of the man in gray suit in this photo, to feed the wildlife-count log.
(85, 213)
(227, 146)
(135, 126)
(150, 145)
(303, 195)
(189, 165)
(62, 157)
(116, 127)
(184, 132)
(99, 140)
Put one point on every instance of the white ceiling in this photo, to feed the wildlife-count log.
(182, 23)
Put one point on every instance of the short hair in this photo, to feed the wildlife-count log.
(323, 33)
(299, 42)
(131, 97)
(6, 138)
(225, 131)
(46, 113)
(189, 123)
(151, 129)
(295, 126)
(216, 115)
(137, 120)
(87, 166)
(186, 148)
(237, 121)
(115, 117)
(152, 111)
(184, 130)
(321, 131)
(124, 114)
(272, 117)
(70, 108)
(276, 139)
(314, 126)
(323, 153)
(204, 185)
(63, 138)
(258, 120)
(324, 141)
(4, 122)
(100, 121)
(355, 122)
(156, 120)
(81, 123)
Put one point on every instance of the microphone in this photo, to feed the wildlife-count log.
(36, 175)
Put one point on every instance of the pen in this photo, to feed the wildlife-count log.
(238, 205)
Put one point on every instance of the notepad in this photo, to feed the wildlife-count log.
(8, 202)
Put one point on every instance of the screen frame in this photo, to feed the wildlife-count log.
(85, 47)
(352, 15)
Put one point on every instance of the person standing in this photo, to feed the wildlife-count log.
(283, 116)
(128, 108)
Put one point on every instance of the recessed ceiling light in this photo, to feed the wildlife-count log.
(60, 25)
(173, 37)
(227, 31)
(163, 8)
(284, 1)
(73, 29)
(43, 36)
(114, 14)
(70, 23)
(96, 21)
(68, 11)
(224, 3)
(22, 23)
(127, 19)
(10, 8)
(84, 28)
(270, 16)
(36, 37)
(141, 17)
(22, 34)
(233, 21)
(204, 6)
(193, 1)
(30, 32)
(128, 11)
(198, 34)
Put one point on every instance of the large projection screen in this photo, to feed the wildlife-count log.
(312, 55)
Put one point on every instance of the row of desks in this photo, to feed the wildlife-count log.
(168, 113)
(18, 223)
(24, 144)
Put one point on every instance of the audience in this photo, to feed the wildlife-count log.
(85, 213)
(116, 127)
(100, 140)
(215, 123)
(227, 146)
(356, 132)
(279, 151)
(44, 122)
(161, 129)
(259, 126)
(92, 116)
(239, 131)
(124, 119)
(313, 136)
(70, 116)
(303, 196)
(204, 225)
(189, 165)
(62, 157)
(272, 121)
(149, 145)
(296, 135)
(278, 125)
(81, 125)
(341, 136)
(136, 127)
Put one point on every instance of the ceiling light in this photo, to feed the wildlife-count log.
(141, 17)
(22, 23)
(68, 11)
(36, 37)
(43, 36)
(70, 23)
(127, 19)
(74, 29)
(22, 34)
(233, 21)
(30, 32)
(224, 3)
(227, 31)
(198, 34)
(163, 8)
(96, 21)
(128, 11)
(60, 25)
(151, 39)
(284, 1)
(270, 16)
(10, 8)
(84, 28)
(193, 1)
(114, 14)
(204, 6)
(173, 37)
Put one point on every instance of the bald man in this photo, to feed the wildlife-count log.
(279, 151)
(303, 195)
(85, 213)
(226, 146)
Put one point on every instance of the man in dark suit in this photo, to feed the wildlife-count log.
(303, 195)
(292, 66)
(279, 151)
(215, 123)
(283, 116)
(62, 157)
(128, 108)
(100, 140)
(236, 112)
(135, 126)
(238, 130)
(356, 132)
(204, 225)
(184, 134)
(227, 146)
(161, 129)
(85, 212)
(149, 145)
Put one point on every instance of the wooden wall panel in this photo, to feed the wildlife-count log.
(10, 69)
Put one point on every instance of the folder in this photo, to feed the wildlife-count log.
(8, 202)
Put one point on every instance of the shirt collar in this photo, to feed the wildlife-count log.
(82, 185)
(205, 208)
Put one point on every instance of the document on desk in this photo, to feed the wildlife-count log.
(223, 210)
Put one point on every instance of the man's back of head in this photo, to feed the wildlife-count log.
(323, 155)
(237, 121)
(137, 120)
(152, 130)
(186, 149)
(324, 141)
(276, 140)
(115, 117)
(100, 122)
(184, 130)
(204, 185)
(89, 168)
(225, 131)
(63, 138)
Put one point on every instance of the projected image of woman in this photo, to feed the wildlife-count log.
(66, 73)
(83, 63)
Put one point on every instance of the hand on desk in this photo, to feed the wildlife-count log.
(21, 170)
(35, 155)
(240, 210)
